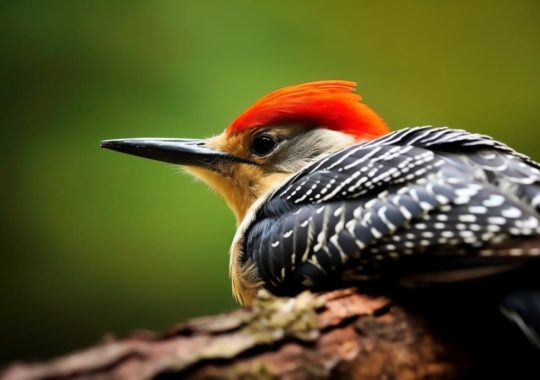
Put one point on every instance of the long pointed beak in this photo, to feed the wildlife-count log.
(191, 152)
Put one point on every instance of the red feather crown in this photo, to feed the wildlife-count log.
(332, 104)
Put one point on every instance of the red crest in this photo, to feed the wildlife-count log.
(332, 104)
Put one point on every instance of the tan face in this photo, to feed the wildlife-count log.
(244, 166)
(273, 155)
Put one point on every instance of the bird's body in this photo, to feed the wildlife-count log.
(416, 201)
(325, 196)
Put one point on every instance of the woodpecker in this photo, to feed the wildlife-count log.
(325, 195)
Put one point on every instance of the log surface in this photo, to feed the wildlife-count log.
(338, 334)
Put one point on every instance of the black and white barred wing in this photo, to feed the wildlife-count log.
(360, 169)
(424, 197)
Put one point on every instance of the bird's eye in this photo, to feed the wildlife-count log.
(263, 144)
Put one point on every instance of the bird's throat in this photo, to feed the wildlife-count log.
(241, 190)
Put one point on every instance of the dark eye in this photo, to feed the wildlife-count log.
(263, 144)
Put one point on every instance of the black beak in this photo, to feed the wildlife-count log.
(189, 152)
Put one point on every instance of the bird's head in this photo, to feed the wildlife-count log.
(270, 141)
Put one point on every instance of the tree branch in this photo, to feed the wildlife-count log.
(339, 334)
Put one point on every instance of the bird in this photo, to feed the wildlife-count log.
(326, 195)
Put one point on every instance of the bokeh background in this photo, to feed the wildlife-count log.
(96, 242)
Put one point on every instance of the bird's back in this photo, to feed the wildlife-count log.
(416, 201)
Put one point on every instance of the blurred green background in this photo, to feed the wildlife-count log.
(94, 241)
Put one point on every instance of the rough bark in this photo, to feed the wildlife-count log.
(339, 334)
